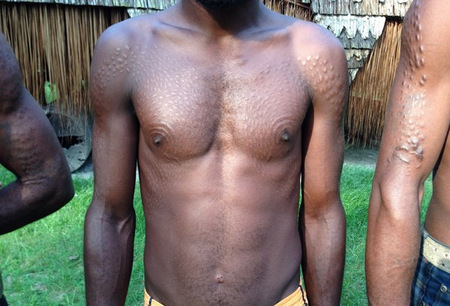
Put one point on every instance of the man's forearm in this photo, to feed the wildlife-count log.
(393, 243)
(22, 203)
(324, 256)
(108, 258)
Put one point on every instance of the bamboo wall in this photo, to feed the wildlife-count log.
(369, 92)
(290, 8)
(55, 43)
(137, 4)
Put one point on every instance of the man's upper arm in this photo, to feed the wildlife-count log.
(418, 113)
(115, 124)
(28, 148)
(10, 78)
(323, 130)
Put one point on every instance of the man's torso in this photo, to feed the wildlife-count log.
(438, 214)
(220, 159)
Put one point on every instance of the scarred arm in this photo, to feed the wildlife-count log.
(110, 220)
(29, 149)
(322, 218)
(416, 126)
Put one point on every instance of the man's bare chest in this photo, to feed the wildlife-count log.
(186, 108)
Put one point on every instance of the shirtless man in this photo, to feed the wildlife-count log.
(29, 149)
(415, 140)
(224, 105)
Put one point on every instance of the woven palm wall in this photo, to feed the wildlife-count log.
(369, 92)
(54, 44)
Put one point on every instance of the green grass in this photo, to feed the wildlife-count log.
(42, 263)
(356, 184)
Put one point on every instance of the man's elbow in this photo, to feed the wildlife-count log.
(53, 192)
(321, 204)
(36, 199)
(64, 191)
(395, 199)
(67, 191)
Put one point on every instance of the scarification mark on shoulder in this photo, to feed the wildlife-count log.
(110, 68)
(324, 80)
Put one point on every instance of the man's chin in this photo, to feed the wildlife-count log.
(219, 4)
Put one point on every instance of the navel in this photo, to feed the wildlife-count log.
(220, 278)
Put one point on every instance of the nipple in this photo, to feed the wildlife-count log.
(157, 140)
(285, 136)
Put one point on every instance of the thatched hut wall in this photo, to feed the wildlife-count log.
(290, 8)
(54, 43)
(369, 92)
(137, 4)
(360, 7)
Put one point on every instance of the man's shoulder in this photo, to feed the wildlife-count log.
(311, 42)
(9, 67)
(10, 77)
(314, 37)
(423, 25)
(129, 31)
(319, 56)
(306, 35)
(425, 37)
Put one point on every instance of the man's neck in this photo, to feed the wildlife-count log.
(222, 20)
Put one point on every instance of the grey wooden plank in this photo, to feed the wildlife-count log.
(136, 4)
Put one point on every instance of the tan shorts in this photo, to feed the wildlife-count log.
(297, 298)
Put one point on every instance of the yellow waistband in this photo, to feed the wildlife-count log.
(436, 253)
(147, 300)
(297, 298)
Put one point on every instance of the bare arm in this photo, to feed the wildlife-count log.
(110, 220)
(416, 126)
(28, 148)
(322, 219)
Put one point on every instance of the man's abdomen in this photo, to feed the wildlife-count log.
(223, 235)
(438, 214)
